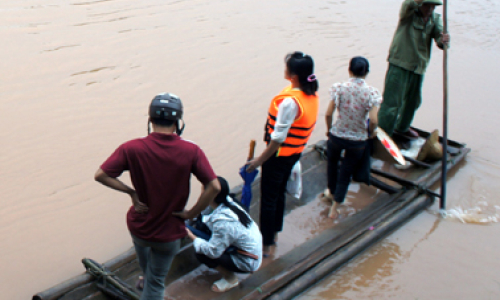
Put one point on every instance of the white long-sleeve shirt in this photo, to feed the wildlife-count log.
(287, 112)
(227, 231)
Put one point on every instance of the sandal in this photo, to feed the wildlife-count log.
(326, 196)
(222, 285)
(139, 285)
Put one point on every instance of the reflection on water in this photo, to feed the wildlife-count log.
(60, 47)
(90, 2)
(92, 71)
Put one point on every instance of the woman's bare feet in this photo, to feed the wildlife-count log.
(139, 285)
(266, 251)
(333, 213)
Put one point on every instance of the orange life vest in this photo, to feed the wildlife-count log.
(302, 127)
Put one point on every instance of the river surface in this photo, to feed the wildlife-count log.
(77, 76)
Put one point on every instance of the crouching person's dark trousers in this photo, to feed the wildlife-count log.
(225, 260)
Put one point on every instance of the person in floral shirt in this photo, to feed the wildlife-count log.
(355, 101)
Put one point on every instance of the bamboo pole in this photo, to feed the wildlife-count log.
(97, 270)
(404, 182)
(442, 201)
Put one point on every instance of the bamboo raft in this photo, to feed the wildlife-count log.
(407, 194)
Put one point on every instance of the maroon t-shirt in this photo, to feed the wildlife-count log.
(160, 168)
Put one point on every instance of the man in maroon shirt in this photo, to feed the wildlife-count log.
(160, 166)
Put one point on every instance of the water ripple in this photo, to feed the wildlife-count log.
(93, 70)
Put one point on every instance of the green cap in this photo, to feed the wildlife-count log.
(436, 2)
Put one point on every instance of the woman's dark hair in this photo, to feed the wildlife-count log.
(302, 65)
(221, 198)
(359, 66)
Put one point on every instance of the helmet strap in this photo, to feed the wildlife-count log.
(180, 129)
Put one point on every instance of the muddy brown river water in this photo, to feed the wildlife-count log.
(76, 78)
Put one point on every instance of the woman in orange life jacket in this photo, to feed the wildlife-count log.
(355, 101)
(290, 122)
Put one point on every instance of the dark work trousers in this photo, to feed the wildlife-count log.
(225, 261)
(338, 180)
(275, 173)
(402, 97)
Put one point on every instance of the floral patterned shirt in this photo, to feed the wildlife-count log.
(353, 100)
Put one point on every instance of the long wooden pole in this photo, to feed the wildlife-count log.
(442, 201)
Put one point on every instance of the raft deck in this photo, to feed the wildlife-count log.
(311, 245)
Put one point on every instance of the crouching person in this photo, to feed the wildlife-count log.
(233, 242)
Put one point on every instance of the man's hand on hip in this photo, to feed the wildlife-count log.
(182, 214)
(140, 207)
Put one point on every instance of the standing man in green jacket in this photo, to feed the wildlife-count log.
(409, 56)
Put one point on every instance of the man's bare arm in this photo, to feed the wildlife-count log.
(118, 185)
(207, 195)
(372, 125)
(264, 156)
(329, 116)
